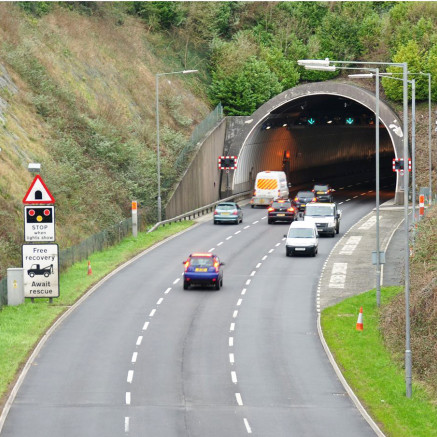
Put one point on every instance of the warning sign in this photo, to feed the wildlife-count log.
(38, 192)
(41, 270)
(39, 223)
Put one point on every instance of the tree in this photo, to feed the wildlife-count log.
(414, 56)
(244, 91)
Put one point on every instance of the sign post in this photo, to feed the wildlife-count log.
(134, 218)
(40, 261)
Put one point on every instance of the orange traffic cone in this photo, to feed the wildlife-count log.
(89, 268)
(360, 326)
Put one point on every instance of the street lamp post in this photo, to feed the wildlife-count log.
(325, 64)
(158, 159)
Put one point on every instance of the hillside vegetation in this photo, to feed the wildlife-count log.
(77, 94)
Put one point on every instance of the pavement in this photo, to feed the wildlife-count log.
(349, 271)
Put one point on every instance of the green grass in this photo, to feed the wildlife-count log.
(371, 371)
(22, 326)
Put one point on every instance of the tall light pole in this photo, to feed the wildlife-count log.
(158, 159)
(327, 67)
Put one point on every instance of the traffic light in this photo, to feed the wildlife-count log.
(227, 162)
(39, 215)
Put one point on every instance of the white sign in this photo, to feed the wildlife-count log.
(41, 270)
(39, 223)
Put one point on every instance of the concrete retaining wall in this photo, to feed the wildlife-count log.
(199, 185)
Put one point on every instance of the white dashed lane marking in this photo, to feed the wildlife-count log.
(152, 313)
(234, 377)
(248, 428)
(130, 376)
(145, 326)
(176, 280)
(139, 340)
(232, 327)
(134, 357)
(239, 399)
(219, 244)
(127, 398)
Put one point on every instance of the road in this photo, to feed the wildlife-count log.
(143, 357)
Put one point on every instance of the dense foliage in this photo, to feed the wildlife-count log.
(253, 47)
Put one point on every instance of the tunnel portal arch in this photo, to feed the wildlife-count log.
(275, 137)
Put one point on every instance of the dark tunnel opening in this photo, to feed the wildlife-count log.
(319, 137)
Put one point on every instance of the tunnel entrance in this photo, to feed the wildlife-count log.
(315, 132)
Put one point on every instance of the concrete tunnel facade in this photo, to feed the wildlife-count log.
(315, 132)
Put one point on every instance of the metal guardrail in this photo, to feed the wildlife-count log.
(200, 211)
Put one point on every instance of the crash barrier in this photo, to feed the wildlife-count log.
(97, 242)
(201, 211)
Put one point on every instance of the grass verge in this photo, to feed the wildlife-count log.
(22, 326)
(370, 370)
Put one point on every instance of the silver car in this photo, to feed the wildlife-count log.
(228, 212)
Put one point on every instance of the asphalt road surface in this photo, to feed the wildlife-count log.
(143, 357)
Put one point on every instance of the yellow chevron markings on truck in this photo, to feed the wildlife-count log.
(267, 184)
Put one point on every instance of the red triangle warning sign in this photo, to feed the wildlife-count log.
(38, 192)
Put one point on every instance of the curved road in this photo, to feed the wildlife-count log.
(143, 357)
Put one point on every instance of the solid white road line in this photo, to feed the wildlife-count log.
(139, 340)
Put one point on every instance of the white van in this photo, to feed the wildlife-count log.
(269, 185)
(302, 238)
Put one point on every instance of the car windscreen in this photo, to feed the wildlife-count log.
(319, 210)
(301, 233)
(201, 261)
(225, 206)
(320, 188)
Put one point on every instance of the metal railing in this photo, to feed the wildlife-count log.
(200, 211)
